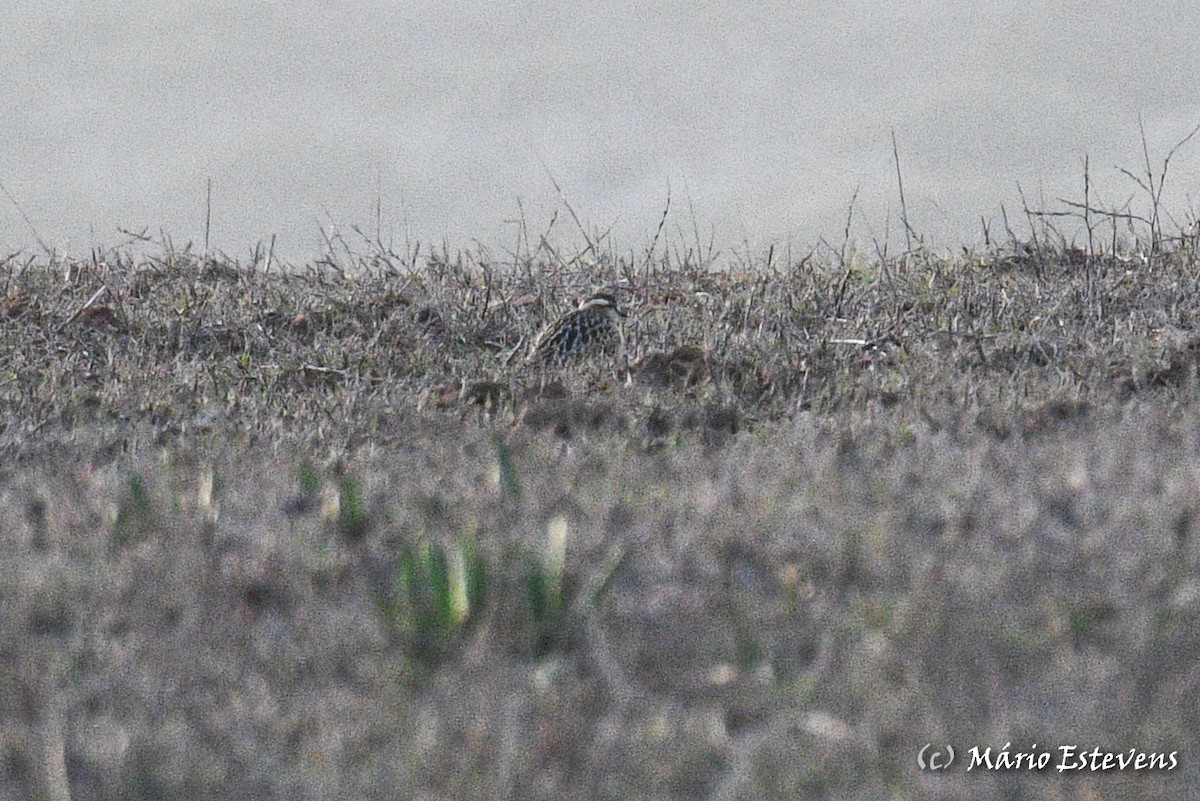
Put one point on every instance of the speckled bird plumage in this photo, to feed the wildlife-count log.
(595, 327)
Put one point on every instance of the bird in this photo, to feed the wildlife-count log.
(594, 327)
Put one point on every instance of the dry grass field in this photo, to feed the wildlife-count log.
(324, 533)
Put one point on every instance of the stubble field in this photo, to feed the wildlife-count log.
(324, 533)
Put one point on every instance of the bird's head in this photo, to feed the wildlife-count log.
(605, 300)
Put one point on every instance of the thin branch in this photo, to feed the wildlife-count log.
(900, 184)
(574, 216)
(28, 221)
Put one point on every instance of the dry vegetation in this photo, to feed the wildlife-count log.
(323, 534)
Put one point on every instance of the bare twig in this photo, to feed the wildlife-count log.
(845, 279)
(1087, 207)
(657, 232)
(41, 242)
(1030, 215)
(900, 183)
(578, 224)
(207, 215)
(1082, 208)
(846, 230)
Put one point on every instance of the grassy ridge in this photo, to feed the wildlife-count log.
(310, 535)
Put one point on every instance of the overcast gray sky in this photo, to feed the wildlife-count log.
(768, 116)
